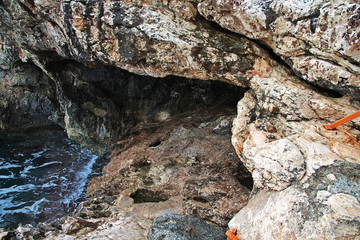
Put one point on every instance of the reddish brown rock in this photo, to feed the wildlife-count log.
(189, 156)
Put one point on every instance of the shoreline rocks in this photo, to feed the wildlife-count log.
(297, 60)
(279, 135)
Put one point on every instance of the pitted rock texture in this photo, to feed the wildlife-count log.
(173, 226)
(185, 165)
(143, 37)
(299, 59)
(185, 156)
(318, 39)
(123, 219)
(298, 167)
(324, 207)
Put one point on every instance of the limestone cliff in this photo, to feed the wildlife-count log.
(297, 60)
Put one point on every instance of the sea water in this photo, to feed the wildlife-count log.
(41, 179)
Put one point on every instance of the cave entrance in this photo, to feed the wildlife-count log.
(119, 100)
(170, 136)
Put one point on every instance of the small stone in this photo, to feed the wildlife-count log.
(27, 232)
(124, 201)
(3, 234)
(224, 126)
(71, 226)
(345, 207)
(331, 177)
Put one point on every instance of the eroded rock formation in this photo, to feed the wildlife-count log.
(318, 39)
(299, 60)
(296, 164)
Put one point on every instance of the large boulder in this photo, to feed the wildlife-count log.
(305, 176)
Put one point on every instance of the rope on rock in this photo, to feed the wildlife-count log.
(231, 235)
(343, 120)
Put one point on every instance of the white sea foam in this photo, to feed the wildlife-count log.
(38, 154)
(9, 165)
(49, 184)
(27, 169)
(82, 175)
(7, 176)
(33, 209)
(17, 189)
(42, 190)
(4, 204)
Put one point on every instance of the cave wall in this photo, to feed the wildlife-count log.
(96, 106)
(299, 60)
(28, 96)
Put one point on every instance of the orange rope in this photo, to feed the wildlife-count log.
(343, 120)
(231, 235)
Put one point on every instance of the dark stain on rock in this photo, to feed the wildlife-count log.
(126, 47)
(155, 143)
(126, 20)
(145, 195)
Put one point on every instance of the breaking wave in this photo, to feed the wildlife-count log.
(41, 182)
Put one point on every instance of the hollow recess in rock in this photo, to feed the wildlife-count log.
(144, 195)
(173, 139)
(168, 137)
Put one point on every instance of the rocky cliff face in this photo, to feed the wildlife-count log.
(298, 61)
(317, 39)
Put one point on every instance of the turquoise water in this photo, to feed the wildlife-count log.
(41, 179)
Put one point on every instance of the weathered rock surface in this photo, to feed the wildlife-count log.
(22, 108)
(125, 220)
(298, 167)
(318, 39)
(301, 66)
(325, 206)
(168, 167)
(173, 226)
(146, 38)
(184, 156)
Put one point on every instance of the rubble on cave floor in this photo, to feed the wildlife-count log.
(184, 165)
